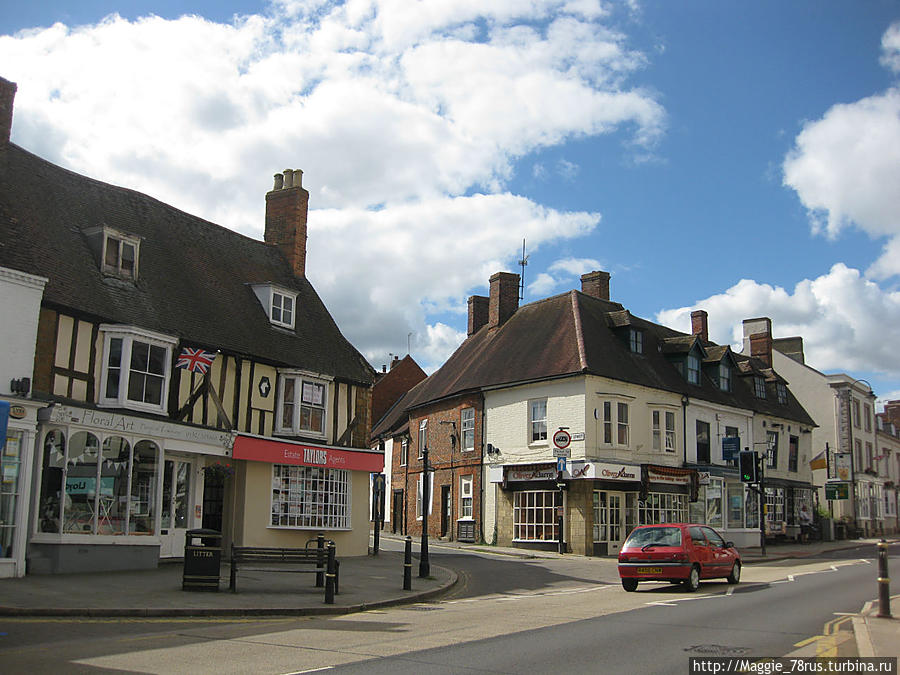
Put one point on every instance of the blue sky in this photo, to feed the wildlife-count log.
(742, 158)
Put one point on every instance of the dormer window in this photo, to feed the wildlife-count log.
(280, 304)
(782, 393)
(759, 386)
(636, 341)
(117, 252)
(693, 369)
(724, 377)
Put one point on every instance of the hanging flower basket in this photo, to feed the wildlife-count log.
(218, 471)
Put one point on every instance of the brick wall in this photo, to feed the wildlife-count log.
(286, 213)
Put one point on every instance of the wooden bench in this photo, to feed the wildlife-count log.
(319, 560)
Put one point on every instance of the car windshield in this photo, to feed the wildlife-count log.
(654, 536)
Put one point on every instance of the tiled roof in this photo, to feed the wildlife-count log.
(194, 276)
(572, 334)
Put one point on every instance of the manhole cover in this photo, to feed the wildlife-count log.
(718, 650)
(422, 608)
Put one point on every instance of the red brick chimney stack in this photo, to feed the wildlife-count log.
(287, 206)
(892, 412)
(700, 324)
(504, 299)
(478, 313)
(7, 98)
(596, 284)
(758, 339)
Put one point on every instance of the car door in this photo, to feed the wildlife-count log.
(722, 559)
(702, 552)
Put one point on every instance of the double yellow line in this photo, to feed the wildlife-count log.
(827, 643)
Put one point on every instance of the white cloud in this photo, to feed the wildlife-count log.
(847, 323)
(407, 119)
(544, 284)
(562, 272)
(845, 167)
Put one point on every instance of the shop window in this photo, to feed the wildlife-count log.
(534, 515)
(751, 508)
(10, 503)
(136, 369)
(302, 405)
(310, 497)
(735, 508)
(84, 485)
(663, 507)
(467, 429)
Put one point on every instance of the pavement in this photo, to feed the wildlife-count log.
(366, 582)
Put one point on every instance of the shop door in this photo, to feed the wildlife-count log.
(609, 528)
(176, 506)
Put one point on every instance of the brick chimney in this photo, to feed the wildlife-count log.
(478, 313)
(286, 210)
(504, 299)
(596, 284)
(7, 98)
(892, 412)
(700, 324)
(758, 339)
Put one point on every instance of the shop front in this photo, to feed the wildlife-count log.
(116, 491)
(601, 502)
(287, 492)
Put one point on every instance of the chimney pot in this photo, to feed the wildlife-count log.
(596, 284)
(279, 181)
(700, 324)
(288, 178)
(298, 178)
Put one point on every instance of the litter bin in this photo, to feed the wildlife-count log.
(202, 560)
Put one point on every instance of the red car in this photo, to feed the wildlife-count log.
(677, 553)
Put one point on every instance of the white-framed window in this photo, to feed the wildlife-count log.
(419, 486)
(282, 311)
(467, 429)
(307, 497)
(659, 507)
(615, 418)
(537, 416)
(693, 369)
(466, 497)
(636, 341)
(759, 386)
(302, 404)
(404, 452)
(136, 368)
(663, 430)
(120, 254)
(423, 437)
(724, 376)
(622, 424)
(772, 448)
(534, 515)
(280, 304)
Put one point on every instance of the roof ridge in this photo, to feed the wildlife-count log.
(579, 332)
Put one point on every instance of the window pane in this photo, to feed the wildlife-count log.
(140, 355)
(51, 481)
(112, 252)
(114, 473)
(157, 360)
(143, 488)
(81, 483)
(136, 387)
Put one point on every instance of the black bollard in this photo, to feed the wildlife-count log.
(407, 565)
(330, 576)
(884, 581)
(320, 561)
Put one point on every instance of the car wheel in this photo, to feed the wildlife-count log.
(629, 584)
(735, 575)
(692, 583)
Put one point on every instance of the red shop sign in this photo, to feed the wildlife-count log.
(283, 452)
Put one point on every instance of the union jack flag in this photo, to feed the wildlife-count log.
(195, 360)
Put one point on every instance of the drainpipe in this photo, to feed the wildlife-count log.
(684, 404)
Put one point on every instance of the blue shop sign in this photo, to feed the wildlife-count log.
(4, 422)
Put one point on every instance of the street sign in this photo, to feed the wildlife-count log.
(561, 464)
(562, 452)
(561, 439)
(837, 490)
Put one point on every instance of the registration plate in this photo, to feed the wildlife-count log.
(649, 570)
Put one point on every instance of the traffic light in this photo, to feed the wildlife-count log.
(748, 466)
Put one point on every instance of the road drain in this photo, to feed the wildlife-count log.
(718, 650)
(421, 608)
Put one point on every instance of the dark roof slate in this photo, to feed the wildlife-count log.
(571, 334)
(193, 279)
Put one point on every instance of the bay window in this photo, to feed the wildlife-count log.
(302, 405)
(136, 368)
